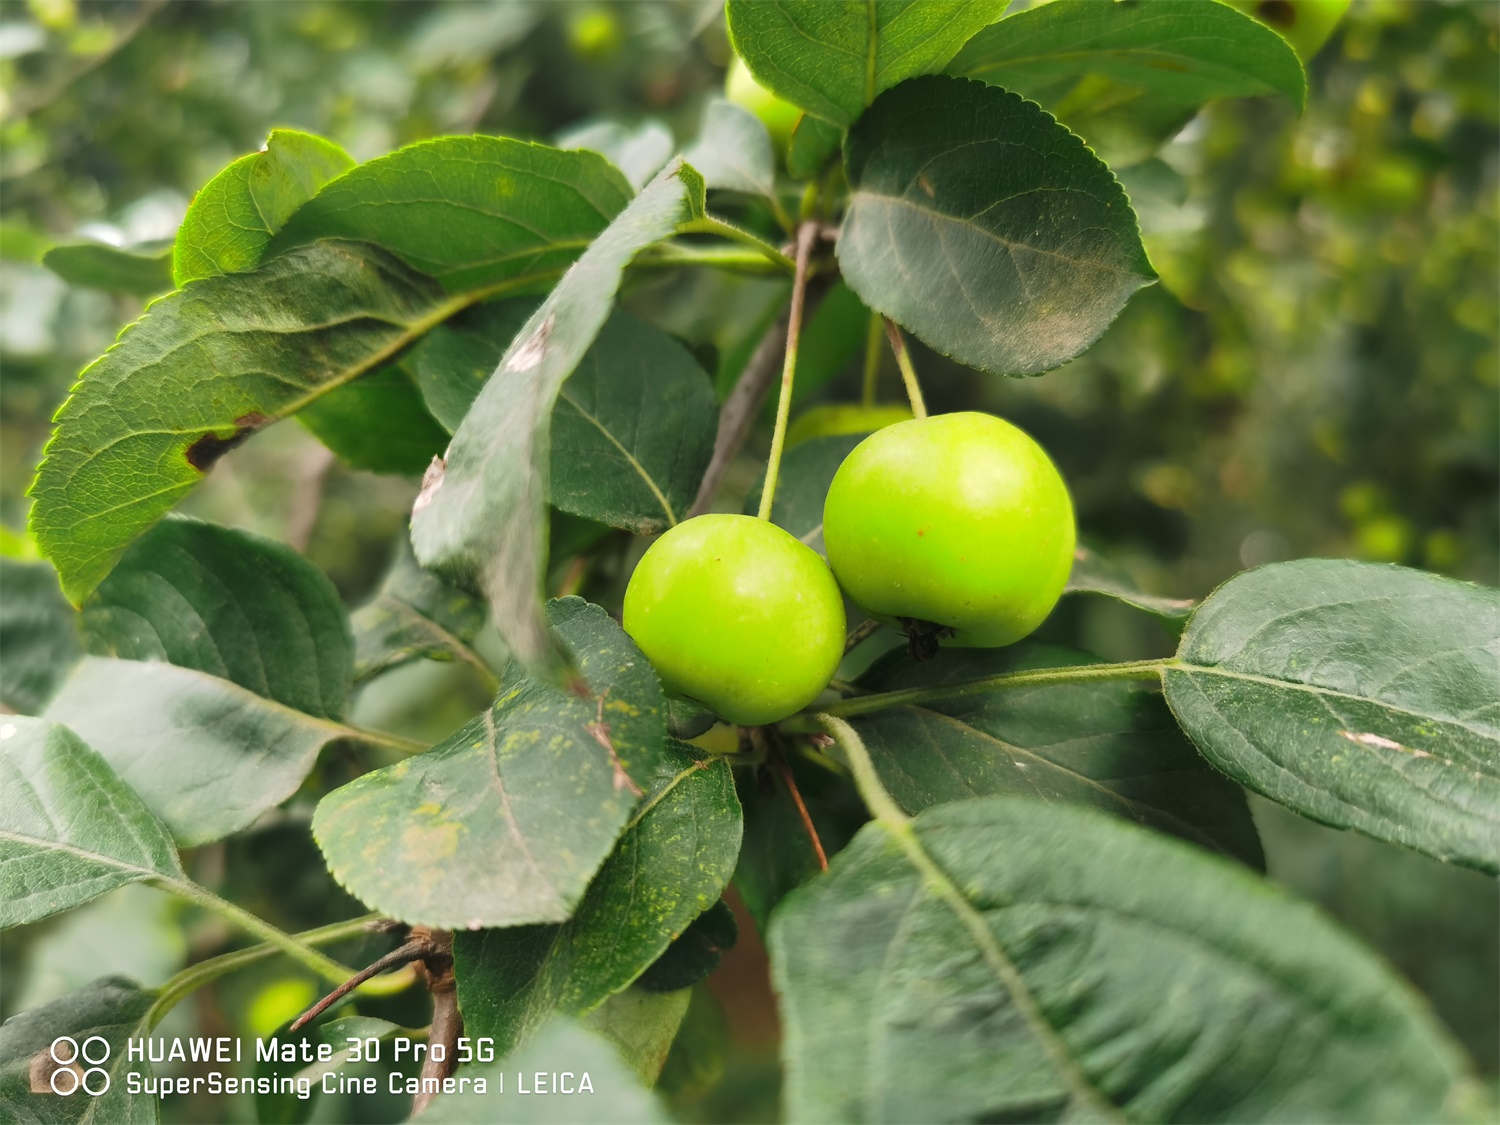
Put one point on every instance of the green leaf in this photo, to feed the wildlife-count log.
(231, 604)
(1103, 67)
(638, 151)
(378, 423)
(111, 1007)
(833, 58)
(699, 1054)
(1002, 959)
(562, 1046)
(38, 635)
(812, 145)
(1361, 695)
(985, 227)
(505, 822)
(146, 422)
(140, 271)
(672, 862)
(482, 511)
(206, 755)
(470, 211)
(642, 1026)
(69, 828)
(695, 952)
(281, 1107)
(611, 461)
(1111, 744)
(733, 150)
(415, 615)
(233, 217)
(1095, 575)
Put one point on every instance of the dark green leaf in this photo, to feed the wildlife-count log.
(638, 152)
(642, 1026)
(833, 335)
(415, 615)
(812, 145)
(1361, 695)
(776, 855)
(206, 755)
(140, 271)
(562, 1046)
(378, 423)
(1104, 67)
(985, 227)
(700, 1052)
(146, 421)
(1002, 959)
(671, 864)
(695, 953)
(38, 635)
(506, 821)
(281, 1107)
(733, 150)
(612, 461)
(473, 212)
(482, 511)
(833, 58)
(112, 1008)
(69, 828)
(231, 604)
(234, 216)
(807, 471)
(1111, 744)
(1095, 575)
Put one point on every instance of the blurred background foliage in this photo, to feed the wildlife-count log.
(1316, 374)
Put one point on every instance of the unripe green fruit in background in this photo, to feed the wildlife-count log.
(839, 419)
(960, 520)
(736, 613)
(777, 114)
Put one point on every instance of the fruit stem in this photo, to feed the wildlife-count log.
(872, 360)
(709, 224)
(906, 697)
(807, 234)
(908, 372)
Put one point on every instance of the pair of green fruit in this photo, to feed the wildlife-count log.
(958, 524)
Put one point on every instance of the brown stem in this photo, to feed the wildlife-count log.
(860, 633)
(790, 781)
(447, 1025)
(413, 950)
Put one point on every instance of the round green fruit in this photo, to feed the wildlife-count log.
(777, 114)
(737, 614)
(841, 419)
(959, 521)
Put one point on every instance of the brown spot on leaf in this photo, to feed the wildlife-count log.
(202, 454)
(432, 480)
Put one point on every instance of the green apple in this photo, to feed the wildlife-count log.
(839, 419)
(1305, 24)
(959, 521)
(777, 114)
(736, 613)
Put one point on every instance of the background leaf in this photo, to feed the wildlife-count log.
(1364, 696)
(733, 150)
(506, 821)
(672, 863)
(38, 635)
(695, 952)
(1004, 928)
(1109, 744)
(206, 755)
(233, 217)
(985, 227)
(69, 828)
(612, 459)
(111, 1007)
(812, 145)
(481, 512)
(642, 1026)
(143, 425)
(809, 468)
(1108, 69)
(470, 211)
(833, 58)
(415, 615)
(1093, 574)
(141, 271)
(234, 605)
(637, 151)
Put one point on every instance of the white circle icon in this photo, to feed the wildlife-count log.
(65, 1078)
(89, 1054)
(72, 1045)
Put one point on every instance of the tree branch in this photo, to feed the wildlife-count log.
(447, 1025)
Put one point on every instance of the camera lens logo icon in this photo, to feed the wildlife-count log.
(69, 1075)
